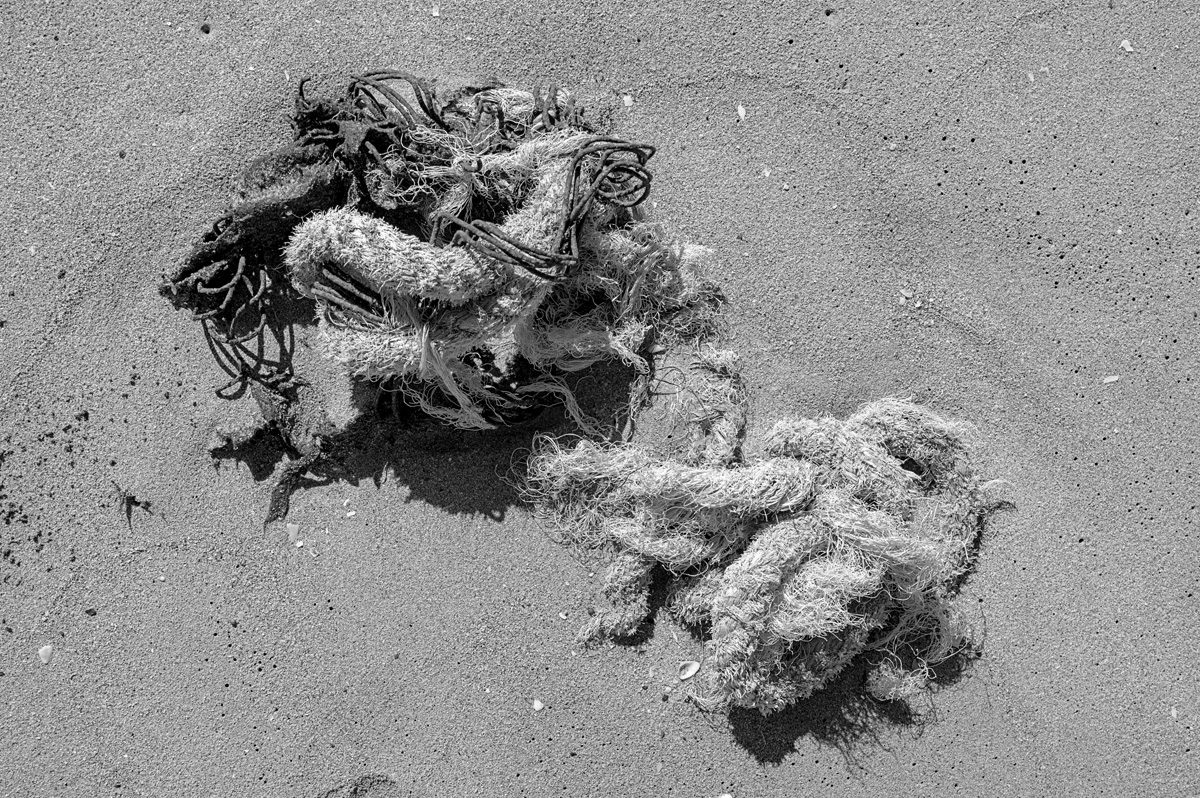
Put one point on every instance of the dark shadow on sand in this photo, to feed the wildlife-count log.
(460, 471)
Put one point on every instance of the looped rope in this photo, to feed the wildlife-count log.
(826, 547)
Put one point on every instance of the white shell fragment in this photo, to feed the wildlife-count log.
(1111, 379)
(45, 653)
(538, 706)
(688, 669)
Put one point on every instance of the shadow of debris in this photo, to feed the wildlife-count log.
(474, 472)
(841, 716)
(374, 785)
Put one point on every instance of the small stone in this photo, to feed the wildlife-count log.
(741, 113)
(906, 294)
(688, 669)
(562, 615)
(1126, 46)
(162, 579)
(627, 99)
(293, 528)
(91, 611)
(437, 12)
(45, 653)
(1174, 712)
(299, 544)
(538, 706)
(1111, 379)
(352, 513)
(724, 795)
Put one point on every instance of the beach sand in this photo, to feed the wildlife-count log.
(1023, 182)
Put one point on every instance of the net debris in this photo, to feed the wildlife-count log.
(466, 250)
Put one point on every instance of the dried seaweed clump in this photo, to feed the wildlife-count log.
(466, 250)
(843, 538)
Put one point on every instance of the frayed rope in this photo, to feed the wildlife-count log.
(843, 538)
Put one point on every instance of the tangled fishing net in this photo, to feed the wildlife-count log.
(465, 252)
(844, 538)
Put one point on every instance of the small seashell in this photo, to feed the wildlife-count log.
(688, 669)
(1112, 379)
(45, 653)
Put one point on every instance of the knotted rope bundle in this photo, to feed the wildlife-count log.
(842, 538)
(466, 250)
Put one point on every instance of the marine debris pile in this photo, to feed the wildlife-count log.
(466, 253)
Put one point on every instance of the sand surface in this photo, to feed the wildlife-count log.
(1029, 182)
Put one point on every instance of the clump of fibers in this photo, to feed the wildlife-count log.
(535, 264)
(467, 250)
(841, 539)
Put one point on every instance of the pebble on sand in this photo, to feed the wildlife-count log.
(45, 653)
(688, 669)
(1110, 380)
(1126, 46)
(538, 706)
(741, 113)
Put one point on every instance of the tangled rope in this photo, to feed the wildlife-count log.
(467, 251)
(843, 538)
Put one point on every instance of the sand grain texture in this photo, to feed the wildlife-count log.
(1028, 182)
